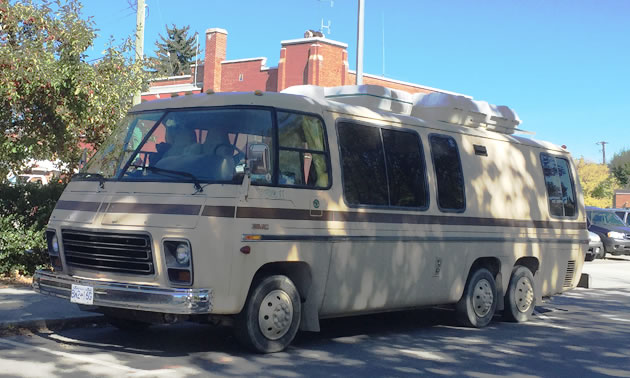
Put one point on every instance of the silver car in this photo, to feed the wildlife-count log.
(595, 247)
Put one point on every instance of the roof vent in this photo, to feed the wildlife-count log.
(374, 97)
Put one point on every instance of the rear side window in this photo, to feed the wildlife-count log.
(382, 167)
(448, 173)
(560, 187)
(405, 168)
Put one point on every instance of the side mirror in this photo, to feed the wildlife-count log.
(258, 159)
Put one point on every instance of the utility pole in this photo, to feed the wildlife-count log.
(139, 41)
(360, 43)
(603, 151)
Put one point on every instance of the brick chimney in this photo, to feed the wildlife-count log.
(216, 44)
(312, 60)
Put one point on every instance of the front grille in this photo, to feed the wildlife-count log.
(568, 278)
(108, 252)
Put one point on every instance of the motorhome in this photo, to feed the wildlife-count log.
(271, 211)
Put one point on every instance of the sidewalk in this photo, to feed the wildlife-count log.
(21, 307)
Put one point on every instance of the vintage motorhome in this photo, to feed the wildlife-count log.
(271, 211)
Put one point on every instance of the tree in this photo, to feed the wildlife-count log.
(51, 97)
(175, 53)
(597, 183)
(620, 168)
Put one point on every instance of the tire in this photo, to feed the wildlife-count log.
(479, 301)
(271, 316)
(520, 298)
(589, 257)
(127, 325)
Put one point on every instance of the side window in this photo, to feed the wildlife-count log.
(405, 168)
(363, 165)
(303, 159)
(560, 188)
(448, 171)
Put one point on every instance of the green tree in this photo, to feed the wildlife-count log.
(597, 183)
(175, 53)
(51, 97)
(620, 168)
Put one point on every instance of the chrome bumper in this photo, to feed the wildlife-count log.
(129, 296)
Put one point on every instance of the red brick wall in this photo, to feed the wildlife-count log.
(253, 77)
(216, 45)
(294, 70)
(386, 83)
(622, 198)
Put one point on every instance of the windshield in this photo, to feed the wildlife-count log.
(115, 151)
(201, 145)
(605, 218)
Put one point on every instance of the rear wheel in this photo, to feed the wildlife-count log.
(479, 301)
(520, 298)
(270, 318)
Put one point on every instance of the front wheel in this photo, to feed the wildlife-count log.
(479, 301)
(520, 298)
(270, 318)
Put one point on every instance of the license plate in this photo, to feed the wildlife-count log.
(82, 294)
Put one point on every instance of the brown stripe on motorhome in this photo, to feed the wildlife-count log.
(77, 205)
(398, 218)
(153, 208)
(218, 211)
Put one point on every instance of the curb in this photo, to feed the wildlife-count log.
(9, 328)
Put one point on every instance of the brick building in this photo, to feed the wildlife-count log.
(621, 199)
(311, 60)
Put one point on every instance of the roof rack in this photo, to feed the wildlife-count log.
(441, 107)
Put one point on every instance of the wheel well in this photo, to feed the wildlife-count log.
(298, 272)
(491, 263)
(530, 263)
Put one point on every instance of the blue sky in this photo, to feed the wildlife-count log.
(563, 65)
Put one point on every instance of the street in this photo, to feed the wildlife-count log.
(585, 332)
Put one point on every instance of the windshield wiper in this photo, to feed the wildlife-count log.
(88, 175)
(194, 178)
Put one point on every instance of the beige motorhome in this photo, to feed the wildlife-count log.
(271, 211)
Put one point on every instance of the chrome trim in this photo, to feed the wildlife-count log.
(129, 296)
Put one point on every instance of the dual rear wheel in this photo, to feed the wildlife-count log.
(478, 304)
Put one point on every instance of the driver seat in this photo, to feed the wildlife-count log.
(221, 161)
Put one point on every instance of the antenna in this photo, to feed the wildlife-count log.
(327, 27)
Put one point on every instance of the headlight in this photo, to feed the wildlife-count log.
(615, 235)
(54, 244)
(182, 254)
(178, 256)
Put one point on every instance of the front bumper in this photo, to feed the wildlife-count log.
(128, 296)
(617, 246)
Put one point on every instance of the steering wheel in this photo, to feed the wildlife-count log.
(225, 149)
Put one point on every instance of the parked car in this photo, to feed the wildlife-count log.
(595, 247)
(614, 233)
(624, 214)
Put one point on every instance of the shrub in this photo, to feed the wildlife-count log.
(24, 212)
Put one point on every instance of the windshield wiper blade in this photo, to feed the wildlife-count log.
(88, 175)
(194, 178)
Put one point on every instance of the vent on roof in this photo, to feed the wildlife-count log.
(437, 106)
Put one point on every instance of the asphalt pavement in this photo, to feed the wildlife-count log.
(583, 332)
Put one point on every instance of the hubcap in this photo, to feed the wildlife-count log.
(524, 294)
(275, 315)
(482, 298)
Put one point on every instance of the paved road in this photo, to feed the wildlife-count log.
(583, 333)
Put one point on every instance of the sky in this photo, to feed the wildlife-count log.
(562, 65)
